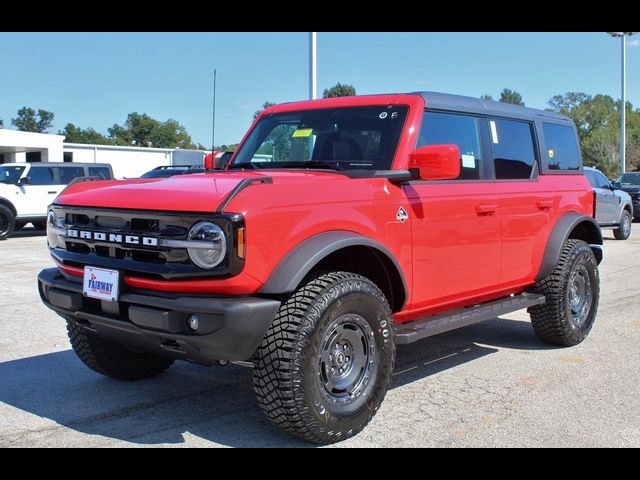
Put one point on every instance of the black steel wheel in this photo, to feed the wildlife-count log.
(322, 370)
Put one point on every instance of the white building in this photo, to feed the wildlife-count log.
(20, 147)
(127, 162)
(131, 162)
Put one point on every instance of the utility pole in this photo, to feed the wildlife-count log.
(312, 66)
(623, 121)
(213, 118)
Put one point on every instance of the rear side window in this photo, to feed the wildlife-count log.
(562, 148)
(41, 176)
(462, 130)
(100, 172)
(67, 174)
(514, 155)
(591, 178)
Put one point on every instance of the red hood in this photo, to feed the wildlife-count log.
(182, 193)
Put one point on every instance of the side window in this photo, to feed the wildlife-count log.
(601, 181)
(513, 152)
(562, 148)
(41, 176)
(67, 174)
(591, 178)
(101, 172)
(462, 130)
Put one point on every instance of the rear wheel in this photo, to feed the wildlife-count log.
(624, 229)
(112, 359)
(7, 222)
(572, 292)
(323, 368)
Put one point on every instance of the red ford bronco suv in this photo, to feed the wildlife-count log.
(339, 229)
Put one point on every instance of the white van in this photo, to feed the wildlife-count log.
(27, 189)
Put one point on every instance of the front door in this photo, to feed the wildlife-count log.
(32, 199)
(607, 205)
(456, 224)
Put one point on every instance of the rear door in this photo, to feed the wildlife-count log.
(528, 201)
(456, 223)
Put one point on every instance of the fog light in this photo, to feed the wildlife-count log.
(193, 322)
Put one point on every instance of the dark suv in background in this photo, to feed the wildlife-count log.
(630, 183)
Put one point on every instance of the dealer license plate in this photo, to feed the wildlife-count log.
(101, 283)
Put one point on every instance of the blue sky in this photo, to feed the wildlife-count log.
(96, 79)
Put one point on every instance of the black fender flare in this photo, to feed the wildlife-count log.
(559, 235)
(291, 270)
(9, 205)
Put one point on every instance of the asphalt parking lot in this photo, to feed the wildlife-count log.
(488, 385)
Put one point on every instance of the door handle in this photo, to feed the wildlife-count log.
(544, 204)
(486, 210)
(52, 192)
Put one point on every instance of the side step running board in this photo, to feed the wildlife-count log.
(443, 322)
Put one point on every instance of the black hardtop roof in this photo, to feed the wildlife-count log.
(460, 103)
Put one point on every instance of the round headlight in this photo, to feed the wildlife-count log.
(213, 248)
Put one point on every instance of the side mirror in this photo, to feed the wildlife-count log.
(436, 162)
(209, 162)
(24, 181)
(616, 186)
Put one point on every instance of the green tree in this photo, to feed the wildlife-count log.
(597, 120)
(74, 134)
(1, 123)
(265, 105)
(511, 96)
(339, 90)
(143, 131)
(486, 96)
(28, 120)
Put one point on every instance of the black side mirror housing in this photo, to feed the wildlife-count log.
(24, 181)
(616, 186)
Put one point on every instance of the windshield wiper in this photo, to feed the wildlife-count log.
(310, 165)
(237, 166)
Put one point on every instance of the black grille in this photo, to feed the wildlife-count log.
(142, 260)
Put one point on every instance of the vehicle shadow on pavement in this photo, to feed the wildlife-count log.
(441, 352)
(27, 232)
(215, 404)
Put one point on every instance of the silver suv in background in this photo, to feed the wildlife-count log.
(614, 208)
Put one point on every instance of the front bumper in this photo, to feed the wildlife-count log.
(231, 328)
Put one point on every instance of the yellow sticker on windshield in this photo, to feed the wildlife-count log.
(551, 153)
(302, 133)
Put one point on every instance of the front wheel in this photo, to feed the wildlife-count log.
(624, 229)
(7, 222)
(112, 359)
(323, 368)
(572, 292)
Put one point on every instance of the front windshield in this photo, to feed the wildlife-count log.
(349, 138)
(10, 173)
(630, 178)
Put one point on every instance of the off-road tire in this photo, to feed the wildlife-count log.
(624, 229)
(292, 365)
(555, 321)
(7, 222)
(114, 360)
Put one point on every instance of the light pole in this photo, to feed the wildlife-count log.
(623, 125)
(312, 66)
